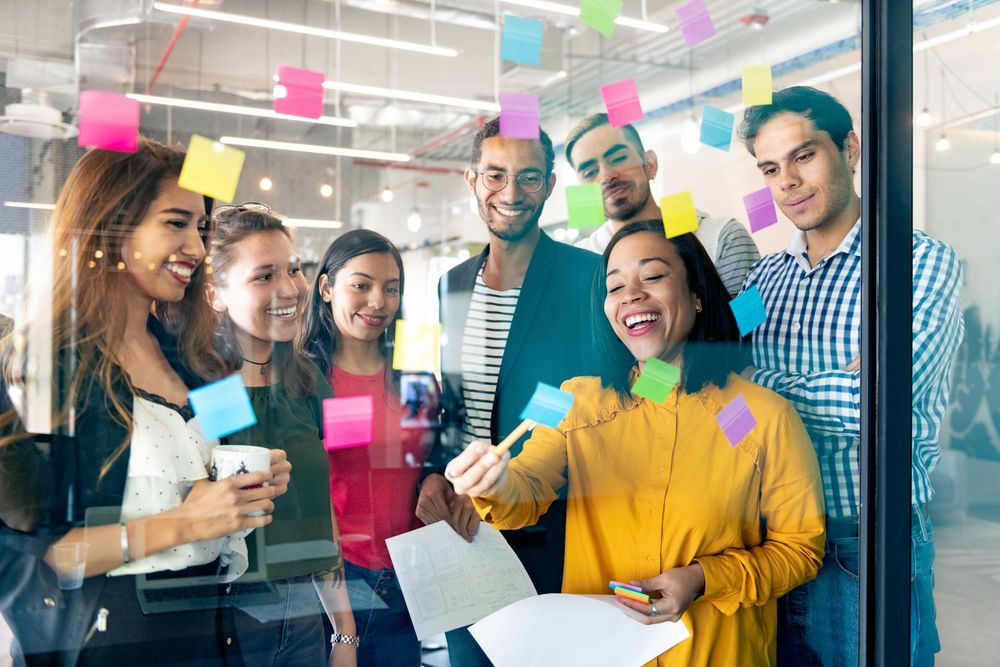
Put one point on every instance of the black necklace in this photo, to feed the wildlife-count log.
(262, 364)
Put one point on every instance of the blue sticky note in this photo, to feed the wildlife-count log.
(748, 308)
(548, 405)
(716, 127)
(522, 40)
(222, 407)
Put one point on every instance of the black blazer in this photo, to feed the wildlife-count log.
(549, 341)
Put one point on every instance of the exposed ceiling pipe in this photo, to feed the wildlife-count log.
(459, 131)
(427, 169)
(181, 25)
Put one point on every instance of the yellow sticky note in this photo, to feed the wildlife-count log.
(756, 85)
(417, 346)
(678, 212)
(211, 168)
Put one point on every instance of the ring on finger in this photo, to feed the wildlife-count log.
(652, 611)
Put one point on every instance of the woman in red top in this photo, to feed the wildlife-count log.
(350, 320)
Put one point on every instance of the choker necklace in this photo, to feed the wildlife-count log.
(262, 364)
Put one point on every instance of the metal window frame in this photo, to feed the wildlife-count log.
(887, 366)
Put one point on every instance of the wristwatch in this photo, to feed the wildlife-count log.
(352, 640)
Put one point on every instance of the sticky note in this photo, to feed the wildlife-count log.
(347, 421)
(621, 99)
(679, 216)
(760, 209)
(299, 92)
(716, 127)
(748, 308)
(600, 15)
(736, 420)
(696, 22)
(548, 405)
(584, 205)
(108, 121)
(631, 595)
(756, 85)
(521, 41)
(211, 168)
(657, 380)
(222, 407)
(519, 116)
(417, 346)
(617, 584)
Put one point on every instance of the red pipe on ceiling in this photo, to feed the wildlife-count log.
(181, 25)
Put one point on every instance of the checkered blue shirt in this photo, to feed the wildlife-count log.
(813, 332)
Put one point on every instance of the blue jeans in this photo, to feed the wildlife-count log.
(818, 622)
(387, 635)
(287, 632)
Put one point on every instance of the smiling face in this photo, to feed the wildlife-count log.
(364, 296)
(263, 290)
(810, 179)
(511, 213)
(166, 247)
(607, 157)
(649, 304)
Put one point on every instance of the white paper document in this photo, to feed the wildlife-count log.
(449, 583)
(578, 630)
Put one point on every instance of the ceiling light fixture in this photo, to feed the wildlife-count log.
(312, 148)
(570, 10)
(924, 118)
(238, 110)
(304, 29)
(413, 220)
(942, 144)
(387, 195)
(266, 184)
(995, 157)
(313, 223)
(31, 205)
(326, 190)
(411, 96)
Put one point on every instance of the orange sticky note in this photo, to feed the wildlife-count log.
(417, 346)
(631, 595)
(679, 216)
(756, 85)
(211, 168)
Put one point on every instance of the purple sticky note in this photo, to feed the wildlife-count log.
(109, 121)
(348, 421)
(621, 99)
(736, 420)
(696, 22)
(519, 116)
(299, 92)
(760, 209)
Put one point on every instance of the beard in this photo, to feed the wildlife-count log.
(628, 210)
(509, 233)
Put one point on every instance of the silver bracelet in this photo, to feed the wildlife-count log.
(352, 640)
(124, 543)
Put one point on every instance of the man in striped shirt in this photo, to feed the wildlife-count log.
(808, 351)
(615, 158)
(516, 315)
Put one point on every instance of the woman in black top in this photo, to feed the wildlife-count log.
(131, 333)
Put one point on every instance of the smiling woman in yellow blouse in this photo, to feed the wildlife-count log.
(714, 531)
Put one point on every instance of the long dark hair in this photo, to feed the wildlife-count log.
(713, 349)
(233, 225)
(319, 336)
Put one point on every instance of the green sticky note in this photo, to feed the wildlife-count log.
(211, 168)
(584, 205)
(679, 216)
(657, 380)
(601, 14)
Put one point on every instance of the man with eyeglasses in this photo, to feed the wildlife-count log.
(615, 158)
(516, 315)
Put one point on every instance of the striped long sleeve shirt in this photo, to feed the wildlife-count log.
(812, 333)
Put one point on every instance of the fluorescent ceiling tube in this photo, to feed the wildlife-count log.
(444, 100)
(312, 148)
(304, 29)
(237, 109)
(313, 223)
(570, 10)
(28, 204)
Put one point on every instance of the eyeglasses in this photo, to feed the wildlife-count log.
(229, 209)
(528, 181)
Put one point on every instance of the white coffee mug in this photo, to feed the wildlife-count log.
(229, 460)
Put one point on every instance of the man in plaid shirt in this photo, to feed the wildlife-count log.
(808, 351)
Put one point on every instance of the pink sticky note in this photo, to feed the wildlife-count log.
(347, 422)
(621, 99)
(109, 121)
(760, 209)
(696, 22)
(299, 92)
(519, 116)
(736, 420)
